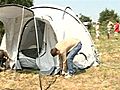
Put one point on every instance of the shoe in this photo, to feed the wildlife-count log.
(68, 75)
(63, 73)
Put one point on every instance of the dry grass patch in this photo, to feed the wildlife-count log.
(104, 77)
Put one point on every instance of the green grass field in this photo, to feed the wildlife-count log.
(104, 77)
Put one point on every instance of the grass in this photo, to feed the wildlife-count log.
(104, 77)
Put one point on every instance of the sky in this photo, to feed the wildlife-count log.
(89, 8)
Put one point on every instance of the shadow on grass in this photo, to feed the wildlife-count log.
(80, 71)
(32, 71)
(28, 71)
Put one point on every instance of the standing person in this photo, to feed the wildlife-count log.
(116, 28)
(109, 27)
(97, 29)
(67, 49)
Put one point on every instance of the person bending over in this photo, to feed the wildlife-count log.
(67, 49)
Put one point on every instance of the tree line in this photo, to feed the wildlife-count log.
(27, 3)
(103, 16)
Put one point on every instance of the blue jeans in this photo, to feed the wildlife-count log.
(71, 56)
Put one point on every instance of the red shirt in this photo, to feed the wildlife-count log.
(116, 27)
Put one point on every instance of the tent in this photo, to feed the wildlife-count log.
(30, 33)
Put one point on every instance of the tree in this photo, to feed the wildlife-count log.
(108, 15)
(27, 3)
(105, 16)
(84, 18)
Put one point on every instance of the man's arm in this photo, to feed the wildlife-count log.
(63, 60)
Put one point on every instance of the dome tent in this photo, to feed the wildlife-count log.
(32, 32)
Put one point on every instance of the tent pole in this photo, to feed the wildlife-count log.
(36, 35)
(20, 31)
(21, 26)
(40, 82)
(65, 11)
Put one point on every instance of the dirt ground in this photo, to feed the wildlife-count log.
(104, 77)
(95, 78)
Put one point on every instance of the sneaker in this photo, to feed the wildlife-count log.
(68, 75)
(63, 73)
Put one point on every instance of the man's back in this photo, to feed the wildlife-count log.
(67, 44)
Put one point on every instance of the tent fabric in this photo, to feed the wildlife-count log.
(12, 23)
(8, 11)
(64, 29)
(26, 62)
(31, 33)
(47, 61)
(44, 61)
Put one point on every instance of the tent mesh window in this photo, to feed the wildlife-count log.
(28, 41)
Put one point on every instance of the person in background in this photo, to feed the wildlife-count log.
(109, 28)
(116, 28)
(67, 49)
(97, 30)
